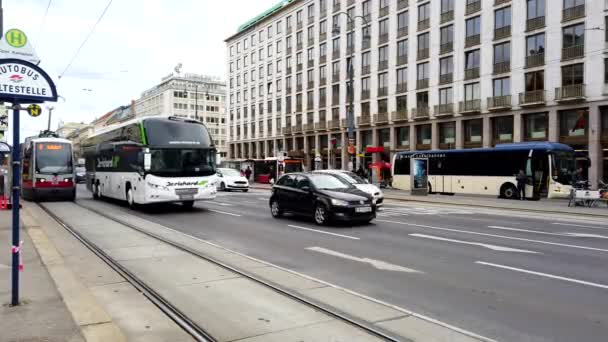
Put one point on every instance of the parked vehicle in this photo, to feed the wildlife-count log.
(322, 196)
(360, 183)
(231, 179)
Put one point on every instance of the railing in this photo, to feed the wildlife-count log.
(365, 94)
(334, 124)
(286, 130)
(299, 46)
(323, 81)
(383, 12)
(535, 23)
(383, 38)
(288, 90)
(572, 52)
(382, 65)
(446, 47)
(298, 107)
(297, 128)
(289, 29)
(335, 100)
(447, 16)
(502, 32)
(381, 118)
(502, 67)
(366, 44)
(471, 73)
(311, 42)
(335, 54)
(366, 69)
(532, 97)
(382, 91)
(472, 40)
(401, 88)
(350, 50)
(444, 109)
(500, 2)
(309, 127)
(299, 25)
(473, 7)
(400, 115)
(573, 12)
(402, 32)
(288, 51)
(470, 106)
(446, 78)
(322, 101)
(420, 112)
(321, 125)
(311, 85)
(401, 4)
(298, 87)
(422, 84)
(311, 19)
(424, 24)
(423, 54)
(364, 120)
(499, 102)
(344, 123)
(401, 60)
(570, 92)
(535, 60)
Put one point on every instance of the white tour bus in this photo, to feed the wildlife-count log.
(492, 171)
(152, 160)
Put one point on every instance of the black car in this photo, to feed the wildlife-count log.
(81, 174)
(322, 196)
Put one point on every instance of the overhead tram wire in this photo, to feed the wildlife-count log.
(86, 39)
(42, 23)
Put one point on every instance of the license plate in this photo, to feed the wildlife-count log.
(363, 210)
(186, 197)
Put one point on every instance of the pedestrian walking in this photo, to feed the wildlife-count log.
(248, 173)
(521, 184)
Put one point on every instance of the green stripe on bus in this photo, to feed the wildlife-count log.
(143, 134)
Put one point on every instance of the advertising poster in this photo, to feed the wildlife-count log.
(419, 172)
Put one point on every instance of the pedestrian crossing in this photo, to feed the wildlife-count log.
(407, 211)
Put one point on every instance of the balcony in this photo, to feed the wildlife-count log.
(401, 4)
(532, 98)
(381, 118)
(288, 51)
(420, 112)
(322, 36)
(500, 2)
(383, 12)
(469, 106)
(383, 38)
(311, 63)
(472, 40)
(570, 93)
(299, 25)
(502, 32)
(366, 44)
(311, 19)
(298, 87)
(323, 81)
(424, 24)
(335, 77)
(382, 91)
(502, 67)
(573, 52)
(322, 101)
(321, 125)
(447, 16)
(299, 46)
(472, 73)
(309, 127)
(446, 48)
(401, 60)
(288, 30)
(298, 107)
(535, 23)
(364, 120)
(573, 13)
(382, 65)
(311, 85)
(288, 90)
(423, 54)
(446, 78)
(287, 130)
(401, 88)
(334, 124)
(444, 109)
(366, 69)
(297, 128)
(535, 60)
(402, 32)
(473, 8)
(399, 115)
(335, 54)
(311, 42)
(422, 83)
(365, 94)
(343, 123)
(323, 59)
(498, 103)
(335, 100)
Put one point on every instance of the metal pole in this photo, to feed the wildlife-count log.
(15, 202)
(351, 99)
(50, 115)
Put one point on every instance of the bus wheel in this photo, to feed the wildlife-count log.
(130, 198)
(188, 204)
(508, 191)
(96, 191)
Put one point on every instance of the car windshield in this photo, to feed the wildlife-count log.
(352, 178)
(230, 172)
(182, 162)
(327, 182)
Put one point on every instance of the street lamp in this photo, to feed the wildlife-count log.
(350, 116)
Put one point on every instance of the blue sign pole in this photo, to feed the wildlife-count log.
(16, 248)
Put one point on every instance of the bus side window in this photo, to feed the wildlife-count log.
(529, 167)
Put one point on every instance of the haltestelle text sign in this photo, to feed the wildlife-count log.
(25, 82)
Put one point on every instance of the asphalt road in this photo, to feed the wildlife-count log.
(504, 275)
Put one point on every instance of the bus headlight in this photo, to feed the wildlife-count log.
(157, 186)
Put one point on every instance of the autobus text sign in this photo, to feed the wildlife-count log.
(24, 82)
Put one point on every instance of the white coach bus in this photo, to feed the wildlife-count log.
(152, 160)
(491, 171)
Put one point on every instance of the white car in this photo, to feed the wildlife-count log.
(230, 179)
(358, 182)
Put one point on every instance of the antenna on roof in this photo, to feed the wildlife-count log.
(178, 69)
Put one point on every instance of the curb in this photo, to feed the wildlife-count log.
(94, 322)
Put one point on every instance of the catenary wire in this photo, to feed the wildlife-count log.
(46, 12)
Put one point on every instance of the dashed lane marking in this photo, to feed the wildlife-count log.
(579, 225)
(324, 232)
(225, 213)
(577, 235)
(379, 264)
(485, 245)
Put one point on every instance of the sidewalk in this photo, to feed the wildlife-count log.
(544, 205)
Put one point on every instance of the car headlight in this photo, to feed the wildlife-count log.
(339, 203)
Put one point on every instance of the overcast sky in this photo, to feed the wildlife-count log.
(135, 45)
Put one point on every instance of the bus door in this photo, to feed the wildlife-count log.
(537, 172)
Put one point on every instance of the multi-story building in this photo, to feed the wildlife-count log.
(189, 96)
(428, 74)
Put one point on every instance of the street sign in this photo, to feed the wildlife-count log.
(16, 45)
(24, 82)
(16, 38)
(34, 110)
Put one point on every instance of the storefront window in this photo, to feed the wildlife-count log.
(366, 138)
(323, 141)
(447, 135)
(403, 137)
(535, 126)
(502, 128)
(573, 123)
(384, 136)
(473, 130)
(338, 139)
(423, 136)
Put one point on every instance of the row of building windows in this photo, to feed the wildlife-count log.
(184, 95)
(215, 109)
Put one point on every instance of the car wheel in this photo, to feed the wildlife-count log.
(508, 191)
(321, 214)
(275, 209)
(245, 190)
(188, 204)
(222, 186)
(130, 199)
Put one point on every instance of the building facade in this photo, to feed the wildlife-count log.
(189, 96)
(428, 74)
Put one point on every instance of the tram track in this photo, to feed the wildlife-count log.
(180, 318)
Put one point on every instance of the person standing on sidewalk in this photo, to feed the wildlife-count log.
(521, 184)
(248, 173)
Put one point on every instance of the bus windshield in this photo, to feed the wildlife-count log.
(175, 133)
(182, 162)
(53, 158)
(563, 166)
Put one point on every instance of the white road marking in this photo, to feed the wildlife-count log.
(489, 246)
(381, 265)
(498, 236)
(223, 212)
(324, 232)
(221, 203)
(582, 282)
(581, 235)
(263, 199)
(579, 225)
(3, 266)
